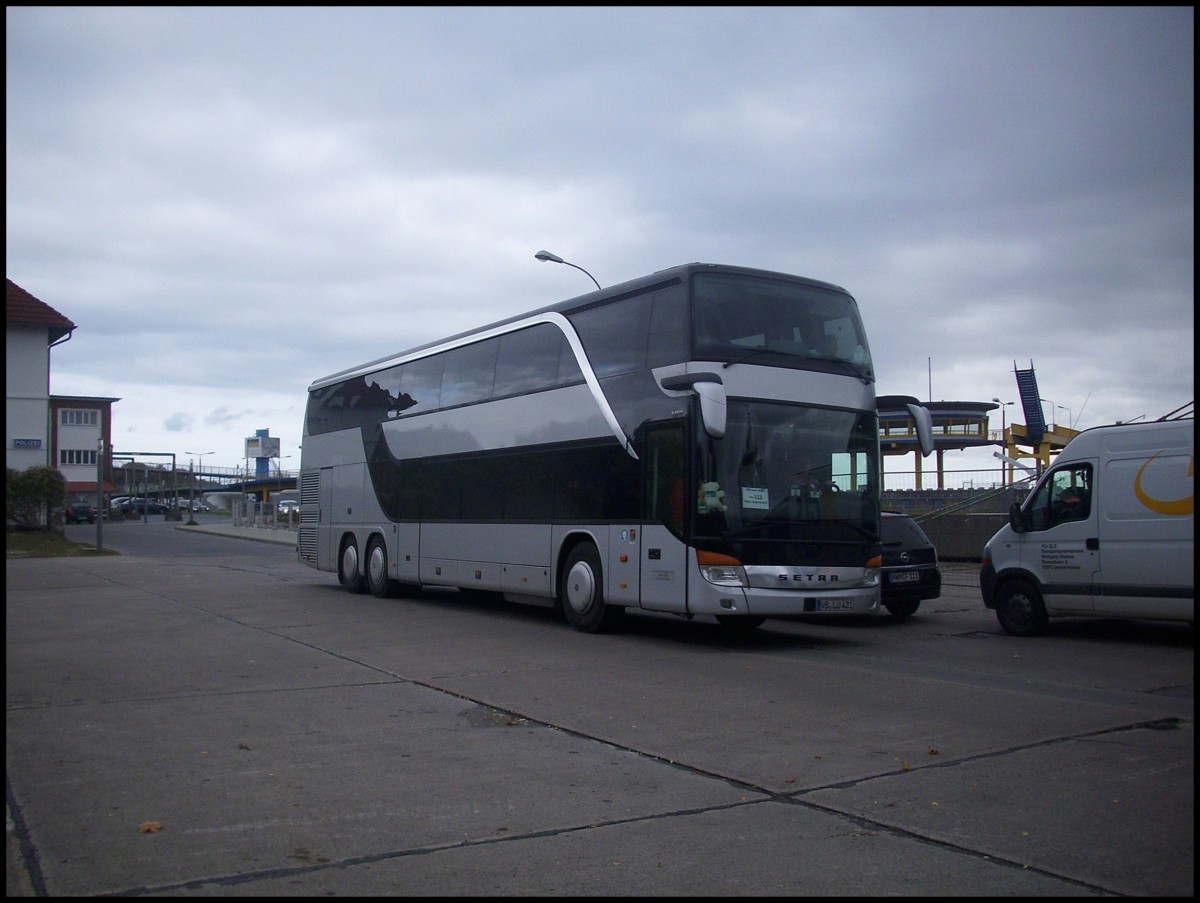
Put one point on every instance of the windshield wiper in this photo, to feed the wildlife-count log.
(864, 375)
(745, 357)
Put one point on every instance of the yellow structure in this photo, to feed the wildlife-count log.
(1017, 444)
(959, 425)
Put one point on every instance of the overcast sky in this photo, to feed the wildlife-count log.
(232, 203)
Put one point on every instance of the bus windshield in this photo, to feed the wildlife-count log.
(789, 472)
(793, 324)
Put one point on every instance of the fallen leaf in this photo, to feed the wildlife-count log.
(150, 827)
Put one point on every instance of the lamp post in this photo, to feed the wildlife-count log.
(1004, 436)
(554, 258)
(1003, 417)
(192, 496)
(1053, 422)
(1070, 419)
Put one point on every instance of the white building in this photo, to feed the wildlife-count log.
(43, 430)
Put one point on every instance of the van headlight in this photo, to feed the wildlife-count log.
(722, 570)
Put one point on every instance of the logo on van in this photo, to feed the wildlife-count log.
(1183, 507)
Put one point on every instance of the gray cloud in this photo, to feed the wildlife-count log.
(234, 202)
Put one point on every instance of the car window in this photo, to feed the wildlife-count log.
(903, 529)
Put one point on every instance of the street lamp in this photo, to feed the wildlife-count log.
(192, 497)
(1070, 419)
(1003, 416)
(1053, 422)
(1004, 435)
(554, 258)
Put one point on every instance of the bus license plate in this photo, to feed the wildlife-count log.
(835, 605)
(905, 577)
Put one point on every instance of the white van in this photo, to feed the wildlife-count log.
(1107, 532)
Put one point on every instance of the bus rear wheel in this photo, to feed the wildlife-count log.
(378, 581)
(350, 571)
(581, 591)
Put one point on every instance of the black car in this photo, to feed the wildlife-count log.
(910, 565)
(79, 513)
(143, 506)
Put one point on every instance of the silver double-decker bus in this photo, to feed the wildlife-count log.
(702, 441)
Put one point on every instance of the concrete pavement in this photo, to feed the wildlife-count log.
(279, 536)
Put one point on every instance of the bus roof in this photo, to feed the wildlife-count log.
(669, 276)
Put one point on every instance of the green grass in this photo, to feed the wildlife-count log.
(47, 544)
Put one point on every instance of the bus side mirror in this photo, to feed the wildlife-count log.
(924, 424)
(712, 407)
(711, 390)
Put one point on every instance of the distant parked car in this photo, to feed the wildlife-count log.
(287, 506)
(143, 506)
(910, 565)
(80, 513)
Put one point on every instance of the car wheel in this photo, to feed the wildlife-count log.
(378, 581)
(581, 591)
(903, 608)
(1020, 609)
(350, 571)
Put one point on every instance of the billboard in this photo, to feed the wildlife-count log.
(262, 447)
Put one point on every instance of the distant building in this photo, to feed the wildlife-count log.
(42, 430)
(77, 424)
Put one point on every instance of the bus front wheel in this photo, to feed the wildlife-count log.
(350, 571)
(581, 592)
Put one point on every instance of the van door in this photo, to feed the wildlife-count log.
(1147, 536)
(1062, 545)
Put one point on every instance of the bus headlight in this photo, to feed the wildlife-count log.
(722, 570)
(873, 569)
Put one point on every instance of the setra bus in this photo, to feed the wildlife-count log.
(700, 441)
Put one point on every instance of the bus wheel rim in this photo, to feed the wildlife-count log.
(581, 587)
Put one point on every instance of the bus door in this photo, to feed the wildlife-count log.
(663, 553)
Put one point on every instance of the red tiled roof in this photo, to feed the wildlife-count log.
(22, 308)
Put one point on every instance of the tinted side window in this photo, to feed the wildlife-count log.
(614, 335)
(469, 373)
(422, 382)
(528, 360)
(668, 328)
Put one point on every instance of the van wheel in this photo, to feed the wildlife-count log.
(581, 591)
(1020, 609)
(378, 581)
(350, 572)
(904, 608)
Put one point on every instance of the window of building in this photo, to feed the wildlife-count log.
(79, 417)
(77, 456)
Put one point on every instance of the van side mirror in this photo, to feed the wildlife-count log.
(1015, 518)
